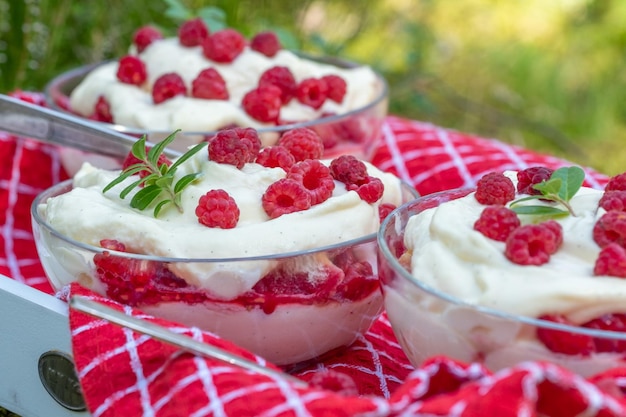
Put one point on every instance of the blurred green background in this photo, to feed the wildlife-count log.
(548, 75)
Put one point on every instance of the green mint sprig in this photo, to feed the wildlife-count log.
(159, 183)
(559, 189)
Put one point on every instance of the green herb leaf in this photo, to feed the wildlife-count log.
(158, 207)
(572, 179)
(145, 196)
(129, 188)
(159, 184)
(558, 190)
(191, 152)
(139, 149)
(539, 210)
(549, 187)
(185, 181)
(157, 150)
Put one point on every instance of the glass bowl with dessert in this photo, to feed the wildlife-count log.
(529, 265)
(273, 248)
(201, 81)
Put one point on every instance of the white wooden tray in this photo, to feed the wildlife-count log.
(33, 324)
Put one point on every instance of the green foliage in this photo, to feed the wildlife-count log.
(544, 75)
(158, 185)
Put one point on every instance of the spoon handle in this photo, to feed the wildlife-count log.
(184, 342)
(24, 119)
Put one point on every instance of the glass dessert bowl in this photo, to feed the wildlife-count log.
(451, 290)
(289, 285)
(178, 83)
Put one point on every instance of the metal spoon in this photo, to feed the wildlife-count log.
(28, 120)
(184, 342)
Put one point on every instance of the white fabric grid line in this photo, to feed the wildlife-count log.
(7, 228)
(396, 160)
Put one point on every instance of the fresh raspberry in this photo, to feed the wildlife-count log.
(609, 228)
(282, 78)
(385, 210)
(617, 183)
(276, 156)
(144, 36)
(113, 244)
(497, 222)
(137, 281)
(613, 200)
(226, 147)
(561, 341)
(266, 43)
(494, 189)
(611, 261)
(193, 32)
(263, 103)
(102, 111)
(210, 85)
(556, 228)
(312, 92)
(615, 322)
(131, 70)
(288, 284)
(223, 46)
(348, 169)
(528, 177)
(359, 280)
(336, 87)
(217, 208)
(532, 244)
(285, 196)
(132, 160)
(168, 86)
(315, 177)
(370, 190)
(250, 137)
(303, 143)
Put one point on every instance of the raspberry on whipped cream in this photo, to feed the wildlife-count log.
(451, 248)
(241, 72)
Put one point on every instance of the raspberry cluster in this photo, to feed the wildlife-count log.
(531, 244)
(276, 87)
(609, 232)
(307, 182)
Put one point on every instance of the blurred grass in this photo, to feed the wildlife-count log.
(545, 75)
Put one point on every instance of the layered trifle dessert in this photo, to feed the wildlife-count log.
(272, 248)
(528, 266)
(203, 81)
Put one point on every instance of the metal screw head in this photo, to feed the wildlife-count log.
(58, 376)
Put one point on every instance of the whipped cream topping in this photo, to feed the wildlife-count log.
(450, 256)
(87, 215)
(133, 106)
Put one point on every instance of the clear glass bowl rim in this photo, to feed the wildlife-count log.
(400, 270)
(55, 87)
(66, 185)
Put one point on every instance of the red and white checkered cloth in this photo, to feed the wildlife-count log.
(123, 373)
